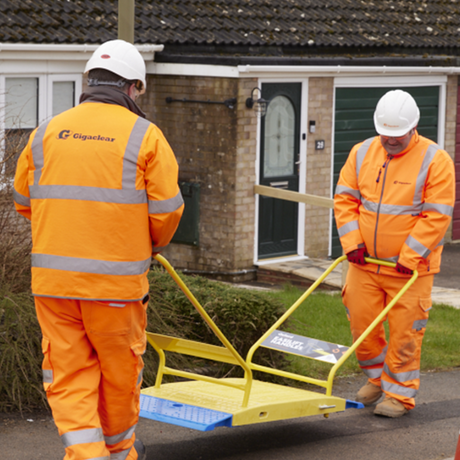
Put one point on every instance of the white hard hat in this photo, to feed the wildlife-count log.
(396, 114)
(121, 58)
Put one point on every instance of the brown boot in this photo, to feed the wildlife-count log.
(390, 407)
(369, 394)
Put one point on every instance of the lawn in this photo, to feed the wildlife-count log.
(322, 316)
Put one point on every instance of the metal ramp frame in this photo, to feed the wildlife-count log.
(204, 402)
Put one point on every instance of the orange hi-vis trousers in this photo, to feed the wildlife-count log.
(395, 366)
(92, 373)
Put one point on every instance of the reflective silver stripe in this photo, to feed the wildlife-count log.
(421, 178)
(164, 206)
(348, 311)
(37, 151)
(343, 190)
(402, 376)
(417, 205)
(130, 158)
(127, 195)
(139, 378)
(116, 438)
(393, 259)
(21, 199)
(347, 228)
(444, 209)
(361, 153)
(82, 437)
(398, 389)
(418, 247)
(118, 305)
(102, 267)
(419, 324)
(441, 243)
(373, 373)
(48, 376)
(378, 360)
(391, 209)
(120, 455)
(76, 192)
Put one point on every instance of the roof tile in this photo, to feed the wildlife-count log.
(332, 23)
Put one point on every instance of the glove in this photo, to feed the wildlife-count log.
(402, 269)
(357, 256)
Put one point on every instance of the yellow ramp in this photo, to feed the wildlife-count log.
(203, 402)
(268, 401)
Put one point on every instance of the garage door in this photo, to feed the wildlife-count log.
(354, 111)
(456, 216)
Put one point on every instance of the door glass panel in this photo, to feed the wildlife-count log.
(21, 110)
(279, 138)
(63, 96)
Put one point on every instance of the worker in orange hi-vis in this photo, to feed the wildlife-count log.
(394, 201)
(100, 185)
(457, 451)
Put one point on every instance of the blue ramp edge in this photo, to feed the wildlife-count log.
(197, 418)
(353, 404)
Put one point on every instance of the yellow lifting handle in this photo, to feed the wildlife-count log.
(376, 321)
(325, 383)
(247, 370)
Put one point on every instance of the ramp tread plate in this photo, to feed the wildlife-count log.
(180, 414)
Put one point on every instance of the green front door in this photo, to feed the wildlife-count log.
(354, 112)
(279, 154)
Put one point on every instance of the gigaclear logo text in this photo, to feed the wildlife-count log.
(66, 133)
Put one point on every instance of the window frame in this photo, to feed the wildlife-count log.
(45, 98)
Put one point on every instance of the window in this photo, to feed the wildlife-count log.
(63, 96)
(27, 101)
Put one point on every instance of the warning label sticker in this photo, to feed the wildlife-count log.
(305, 346)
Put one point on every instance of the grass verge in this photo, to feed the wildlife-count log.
(322, 316)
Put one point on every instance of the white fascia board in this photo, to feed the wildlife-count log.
(55, 51)
(192, 70)
(292, 72)
(25, 67)
(53, 58)
(335, 71)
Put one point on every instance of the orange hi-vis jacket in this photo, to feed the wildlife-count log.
(397, 206)
(100, 185)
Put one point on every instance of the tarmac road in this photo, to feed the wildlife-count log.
(429, 432)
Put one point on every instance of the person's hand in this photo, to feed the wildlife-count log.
(357, 256)
(402, 269)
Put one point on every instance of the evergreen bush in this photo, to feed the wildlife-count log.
(242, 315)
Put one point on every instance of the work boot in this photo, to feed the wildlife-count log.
(140, 449)
(369, 394)
(390, 407)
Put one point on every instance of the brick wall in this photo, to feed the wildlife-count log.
(320, 109)
(216, 147)
(451, 115)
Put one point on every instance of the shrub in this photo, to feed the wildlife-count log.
(242, 315)
(15, 238)
(21, 385)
